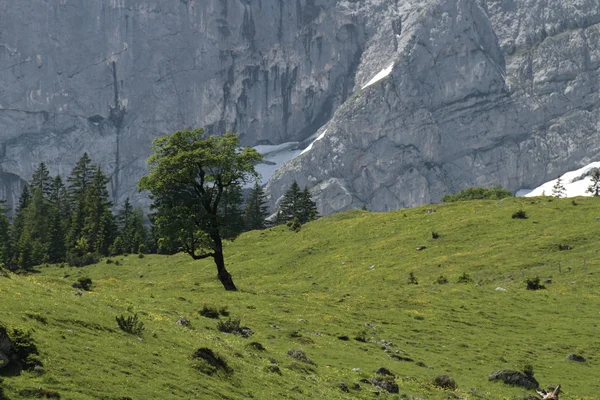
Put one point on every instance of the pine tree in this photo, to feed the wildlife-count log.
(78, 182)
(290, 204)
(5, 236)
(33, 244)
(133, 234)
(256, 210)
(41, 179)
(57, 221)
(558, 190)
(594, 188)
(298, 204)
(308, 208)
(99, 227)
(19, 221)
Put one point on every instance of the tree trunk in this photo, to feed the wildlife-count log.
(222, 273)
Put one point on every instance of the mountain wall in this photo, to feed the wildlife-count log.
(108, 76)
(478, 92)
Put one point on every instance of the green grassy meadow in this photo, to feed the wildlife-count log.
(342, 275)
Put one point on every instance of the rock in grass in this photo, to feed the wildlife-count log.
(575, 357)
(343, 387)
(445, 382)
(384, 371)
(515, 378)
(385, 383)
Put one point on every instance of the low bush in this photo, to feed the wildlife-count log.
(83, 283)
(229, 326)
(478, 193)
(435, 235)
(209, 311)
(412, 279)
(300, 355)
(445, 382)
(22, 352)
(441, 280)
(534, 284)
(130, 324)
(519, 215)
(208, 362)
(465, 278)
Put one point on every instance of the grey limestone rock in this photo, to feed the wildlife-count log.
(480, 93)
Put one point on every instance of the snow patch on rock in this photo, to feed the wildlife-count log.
(575, 182)
(380, 75)
(274, 157)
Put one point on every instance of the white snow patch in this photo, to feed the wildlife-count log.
(382, 74)
(575, 183)
(274, 157)
(313, 142)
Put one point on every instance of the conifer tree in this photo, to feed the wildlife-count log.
(558, 190)
(19, 220)
(289, 207)
(5, 236)
(298, 204)
(256, 210)
(33, 244)
(99, 228)
(308, 208)
(78, 182)
(132, 231)
(594, 188)
(41, 179)
(57, 221)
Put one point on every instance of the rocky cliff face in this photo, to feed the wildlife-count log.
(108, 76)
(479, 91)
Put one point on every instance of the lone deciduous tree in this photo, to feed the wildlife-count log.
(190, 176)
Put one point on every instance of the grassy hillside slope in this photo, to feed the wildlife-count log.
(343, 275)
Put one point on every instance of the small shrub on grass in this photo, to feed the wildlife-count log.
(117, 263)
(141, 255)
(435, 235)
(412, 279)
(224, 311)
(300, 355)
(209, 312)
(445, 382)
(208, 362)
(256, 346)
(534, 284)
(361, 336)
(294, 225)
(22, 352)
(563, 247)
(528, 370)
(83, 283)
(229, 326)
(441, 280)
(109, 261)
(465, 278)
(130, 324)
(519, 215)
